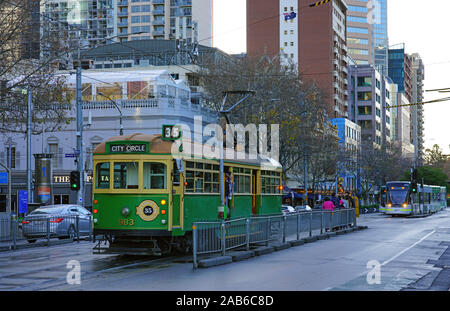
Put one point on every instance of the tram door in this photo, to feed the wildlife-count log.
(254, 191)
(177, 195)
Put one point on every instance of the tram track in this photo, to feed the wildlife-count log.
(45, 276)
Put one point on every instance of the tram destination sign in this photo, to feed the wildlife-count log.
(129, 148)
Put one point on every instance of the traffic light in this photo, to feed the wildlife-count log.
(75, 180)
(414, 187)
(414, 175)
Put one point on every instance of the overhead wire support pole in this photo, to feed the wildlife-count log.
(29, 119)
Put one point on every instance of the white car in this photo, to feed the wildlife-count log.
(287, 209)
(302, 208)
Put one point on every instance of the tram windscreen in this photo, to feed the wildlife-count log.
(398, 193)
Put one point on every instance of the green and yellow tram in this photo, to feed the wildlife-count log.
(145, 201)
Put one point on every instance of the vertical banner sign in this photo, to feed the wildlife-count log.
(23, 205)
(43, 174)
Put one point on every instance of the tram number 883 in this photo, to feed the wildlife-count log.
(126, 222)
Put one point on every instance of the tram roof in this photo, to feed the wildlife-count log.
(160, 146)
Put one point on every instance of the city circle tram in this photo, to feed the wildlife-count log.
(145, 200)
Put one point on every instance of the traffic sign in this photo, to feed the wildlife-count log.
(70, 155)
(3, 177)
(23, 205)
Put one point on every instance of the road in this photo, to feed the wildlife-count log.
(393, 254)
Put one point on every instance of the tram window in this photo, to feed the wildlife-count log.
(102, 175)
(154, 175)
(126, 175)
(202, 177)
(270, 181)
(242, 180)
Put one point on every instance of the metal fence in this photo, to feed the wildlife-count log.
(14, 233)
(211, 237)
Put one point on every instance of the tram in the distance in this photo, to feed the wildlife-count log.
(401, 199)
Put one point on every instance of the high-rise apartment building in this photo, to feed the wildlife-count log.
(400, 70)
(370, 95)
(90, 22)
(312, 37)
(418, 75)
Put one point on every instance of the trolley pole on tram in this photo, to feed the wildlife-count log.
(225, 113)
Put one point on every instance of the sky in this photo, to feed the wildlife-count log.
(421, 25)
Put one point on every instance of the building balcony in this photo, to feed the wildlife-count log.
(158, 33)
(158, 11)
(184, 3)
(122, 24)
(158, 22)
(122, 3)
(122, 13)
(158, 1)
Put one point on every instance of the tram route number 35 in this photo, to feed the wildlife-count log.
(171, 132)
(126, 222)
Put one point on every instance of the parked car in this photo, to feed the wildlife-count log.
(286, 209)
(302, 208)
(62, 221)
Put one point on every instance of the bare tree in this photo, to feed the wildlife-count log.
(281, 97)
(29, 53)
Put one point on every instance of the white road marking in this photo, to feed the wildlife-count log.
(408, 248)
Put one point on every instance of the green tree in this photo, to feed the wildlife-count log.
(435, 157)
(431, 176)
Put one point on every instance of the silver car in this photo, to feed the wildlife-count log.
(56, 221)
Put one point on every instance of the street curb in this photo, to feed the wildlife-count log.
(263, 250)
(214, 261)
(330, 234)
(241, 255)
(340, 232)
(323, 236)
(296, 243)
(310, 239)
(281, 246)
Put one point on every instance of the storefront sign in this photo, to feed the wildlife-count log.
(22, 198)
(65, 179)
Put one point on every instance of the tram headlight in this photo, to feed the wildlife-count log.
(405, 204)
(389, 205)
(163, 202)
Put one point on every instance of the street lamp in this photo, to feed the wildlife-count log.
(117, 106)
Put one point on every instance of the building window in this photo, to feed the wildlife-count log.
(364, 96)
(364, 110)
(358, 30)
(364, 81)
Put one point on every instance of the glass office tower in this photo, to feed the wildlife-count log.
(380, 36)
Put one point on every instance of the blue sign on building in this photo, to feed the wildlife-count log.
(3, 177)
(23, 205)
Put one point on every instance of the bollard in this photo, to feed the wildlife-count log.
(247, 227)
(194, 246)
(267, 231)
(284, 229)
(298, 225)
